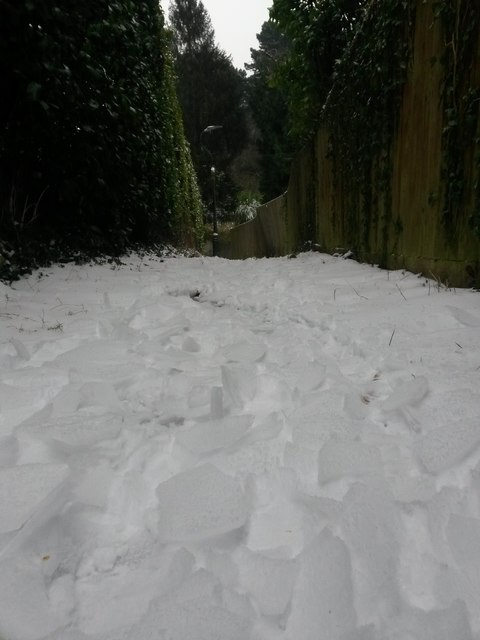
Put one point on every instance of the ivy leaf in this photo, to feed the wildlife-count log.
(33, 90)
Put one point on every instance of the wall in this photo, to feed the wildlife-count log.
(267, 235)
(406, 231)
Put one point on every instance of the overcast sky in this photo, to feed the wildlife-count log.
(236, 24)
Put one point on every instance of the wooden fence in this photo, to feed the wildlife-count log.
(413, 234)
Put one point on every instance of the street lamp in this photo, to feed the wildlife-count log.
(212, 127)
(209, 129)
(215, 222)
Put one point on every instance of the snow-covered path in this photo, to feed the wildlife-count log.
(198, 449)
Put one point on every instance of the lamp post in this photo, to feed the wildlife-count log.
(209, 129)
(215, 222)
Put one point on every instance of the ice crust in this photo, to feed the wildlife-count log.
(372, 529)
(270, 581)
(280, 449)
(339, 458)
(193, 619)
(322, 605)
(440, 624)
(24, 488)
(448, 444)
(406, 394)
(215, 434)
(239, 383)
(199, 503)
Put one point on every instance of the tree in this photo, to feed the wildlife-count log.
(318, 32)
(269, 109)
(211, 92)
(83, 128)
(178, 173)
(191, 26)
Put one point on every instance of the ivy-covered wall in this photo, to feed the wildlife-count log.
(93, 155)
(396, 179)
(393, 172)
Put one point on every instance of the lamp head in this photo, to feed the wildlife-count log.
(212, 127)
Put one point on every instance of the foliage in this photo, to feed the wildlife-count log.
(191, 27)
(345, 67)
(461, 102)
(318, 33)
(246, 210)
(211, 92)
(82, 126)
(182, 193)
(361, 112)
(269, 110)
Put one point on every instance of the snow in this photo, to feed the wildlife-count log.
(198, 504)
(322, 603)
(282, 449)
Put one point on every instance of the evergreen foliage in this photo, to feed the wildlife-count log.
(269, 109)
(318, 33)
(211, 92)
(349, 68)
(461, 102)
(182, 193)
(293, 71)
(192, 27)
(361, 113)
(89, 129)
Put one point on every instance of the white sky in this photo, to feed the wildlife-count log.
(236, 25)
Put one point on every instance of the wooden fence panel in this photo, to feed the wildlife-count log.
(411, 234)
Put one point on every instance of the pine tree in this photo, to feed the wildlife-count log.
(191, 26)
(211, 92)
(269, 109)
